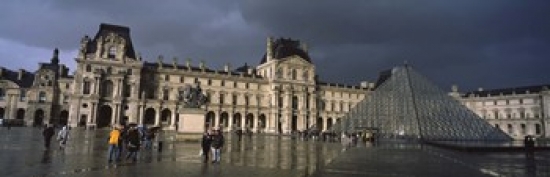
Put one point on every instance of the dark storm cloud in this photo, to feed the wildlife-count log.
(470, 43)
(489, 43)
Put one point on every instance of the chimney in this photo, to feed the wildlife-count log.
(201, 65)
(159, 60)
(175, 62)
(364, 84)
(454, 88)
(269, 51)
(250, 71)
(304, 46)
(20, 74)
(227, 67)
(480, 89)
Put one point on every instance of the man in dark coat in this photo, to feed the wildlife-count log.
(133, 143)
(48, 133)
(217, 145)
(205, 145)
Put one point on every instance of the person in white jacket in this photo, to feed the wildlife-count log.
(63, 136)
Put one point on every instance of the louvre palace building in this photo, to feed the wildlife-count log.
(112, 84)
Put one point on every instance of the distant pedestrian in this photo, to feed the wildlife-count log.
(63, 136)
(48, 132)
(205, 145)
(114, 151)
(217, 145)
(132, 143)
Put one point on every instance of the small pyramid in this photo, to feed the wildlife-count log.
(408, 106)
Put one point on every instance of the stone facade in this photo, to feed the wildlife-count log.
(517, 111)
(112, 85)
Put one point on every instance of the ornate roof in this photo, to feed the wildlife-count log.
(25, 82)
(107, 29)
(282, 48)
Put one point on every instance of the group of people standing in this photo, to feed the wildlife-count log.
(212, 142)
(131, 138)
(62, 136)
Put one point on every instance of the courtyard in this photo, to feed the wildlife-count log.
(22, 154)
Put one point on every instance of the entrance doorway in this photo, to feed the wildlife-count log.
(64, 118)
(104, 117)
(149, 117)
(38, 118)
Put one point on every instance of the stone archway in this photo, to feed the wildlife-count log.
(249, 120)
(210, 120)
(104, 117)
(64, 117)
(165, 116)
(319, 124)
(38, 118)
(237, 121)
(149, 117)
(262, 122)
(20, 114)
(329, 123)
(224, 117)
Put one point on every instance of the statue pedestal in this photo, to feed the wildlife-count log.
(191, 123)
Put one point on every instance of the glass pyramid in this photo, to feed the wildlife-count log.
(406, 105)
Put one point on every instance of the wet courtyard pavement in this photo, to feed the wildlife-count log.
(22, 154)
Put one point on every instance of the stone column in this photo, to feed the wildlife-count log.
(230, 123)
(91, 118)
(96, 86)
(255, 122)
(74, 112)
(141, 112)
(157, 116)
(173, 118)
(114, 115)
(243, 121)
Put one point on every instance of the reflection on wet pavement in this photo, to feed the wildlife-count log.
(22, 154)
(86, 155)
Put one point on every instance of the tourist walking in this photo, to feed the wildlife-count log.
(62, 137)
(205, 145)
(133, 143)
(217, 145)
(114, 137)
(47, 133)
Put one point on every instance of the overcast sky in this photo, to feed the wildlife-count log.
(471, 43)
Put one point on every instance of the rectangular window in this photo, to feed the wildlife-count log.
(234, 84)
(86, 87)
(209, 82)
(167, 78)
(520, 101)
(65, 99)
(165, 95)
(22, 95)
(67, 86)
(222, 83)
(246, 101)
(246, 85)
(234, 100)
(280, 102)
(182, 79)
(222, 99)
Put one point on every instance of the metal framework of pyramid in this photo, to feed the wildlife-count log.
(408, 106)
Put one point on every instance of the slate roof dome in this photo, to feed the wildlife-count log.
(282, 48)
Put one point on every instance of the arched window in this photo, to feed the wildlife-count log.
(523, 129)
(107, 89)
(294, 74)
(112, 52)
(42, 97)
(305, 75)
